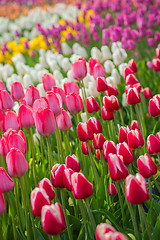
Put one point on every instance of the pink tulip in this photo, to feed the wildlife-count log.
(25, 115)
(92, 63)
(153, 144)
(74, 103)
(40, 103)
(147, 93)
(2, 203)
(63, 120)
(2, 86)
(71, 87)
(85, 149)
(135, 139)
(6, 102)
(98, 71)
(6, 183)
(10, 120)
(54, 102)
(79, 69)
(98, 141)
(60, 92)
(48, 81)
(17, 91)
(31, 95)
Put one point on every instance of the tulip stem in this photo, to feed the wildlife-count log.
(120, 200)
(65, 214)
(109, 130)
(33, 153)
(84, 96)
(150, 188)
(156, 184)
(93, 166)
(104, 175)
(121, 116)
(50, 157)
(12, 215)
(90, 215)
(58, 142)
(1, 232)
(2, 162)
(131, 112)
(141, 211)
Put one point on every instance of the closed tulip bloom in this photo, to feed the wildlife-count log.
(158, 52)
(84, 132)
(44, 121)
(16, 163)
(54, 102)
(112, 90)
(48, 81)
(147, 93)
(40, 103)
(123, 132)
(133, 96)
(81, 187)
(102, 229)
(98, 71)
(132, 65)
(60, 92)
(67, 178)
(2, 203)
(127, 71)
(98, 141)
(136, 189)
(31, 95)
(95, 125)
(131, 79)
(52, 218)
(57, 175)
(92, 62)
(112, 189)
(146, 166)
(111, 103)
(4, 149)
(10, 120)
(101, 84)
(17, 91)
(92, 105)
(64, 121)
(73, 163)
(74, 103)
(156, 64)
(46, 184)
(135, 139)
(85, 149)
(16, 140)
(117, 168)
(1, 121)
(6, 102)
(108, 147)
(2, 86)
(153, 144)
(154, 107)
(124, 150)
(136, 85)
(134, 125)
(6, 183)
(98, 154)
(25, 115)
(79, 69)
(107, 115)
(71, 87)
(39, 198)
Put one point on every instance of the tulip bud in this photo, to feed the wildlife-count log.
(102, 229)
(131, 79)
(98, 141)
(133, 96)
(63, 120)
(74, 103)
(123, 132)
(147, 93)
(47, 186)
(40, 103)
(134, 125)
(57, 175)
(54, 102)
(98, 154)
(2, 203)
(6, 183)
(101, 84)
(117, 168)
(73, 163)
(132, 65)
(146, 166)
(111, 91)
(84, 132)
(85, 150)
(98, 71)
(52, 218)
(153, 144)
(39, 198)
(108, 147)
(95, 125)
(17, 91)
(71, 87)
(79, 69)
(107, 115)
(44, 121)
(48, 81)
(127, 71)
(67, 178)
(6, 102)
(60, 92)
(92, 105)
(124, 150)
(136, 189)
(154, 107)
(16, 163)
(25, 115)
(111, 103)
(135, 139)
(112, 189)
(10, 120)
(81, 187)
(31, 95)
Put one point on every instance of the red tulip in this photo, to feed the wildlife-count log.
(85, 150)
(84, 132)
(74, 103)
(156, 64)
(48, 81)
(44, 121)
(2, 203)
(6, 102)
(112, 189)
(102, 229)
(16, 163)
(108, 147)
(136, 85)
(123, 132)
(153, 144)
(40, 103)
(135, 139)
(57, 175)
(63, 120)
(71, 87)
(146, 166)
(47, 186)
(31, 95)
(98, 141)
(60, 92)
(154, 107)
(158, 135)
(25, 115)
(101, 84)
(92, 62)
(67, 178)
(147, 93)
(107, 115)
(17, 91)
(111, 91)
(92, 105)
(111, 103)
(133, 96)
(95, 125)
(79, 69)
(81, 187)
(39, 198)
(98, 154)
(124, 150)
(10, 120)
(158, 52)
(134, 125)
(73, 163)
(117, 168)
(54, 101)
(132, 65)
(98, 71)
(131, 79)
(6, 183)
(136, 189)
(127, 71)
(52, 218)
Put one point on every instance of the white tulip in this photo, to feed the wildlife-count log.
(65, 64)
(106, 53)
(38, 67)
(59, 58)
(66, 50)
(118, 57)
(18, 58)
(40, 74)
(87, 79)
(84, 117)
(92, 89)
(74, 57)
(69, 76)
(121, 68)
(115, 46)
(108, 66)
(96, 53)
(116, 76)
(34, 76)
(27, 81)
(36, 138)
(124, 100)
(16, 107)
(41, 89)
(58, 75)
(42, 61)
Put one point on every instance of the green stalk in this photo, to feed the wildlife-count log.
(104, 175)
(120, 201)
(50, 156)
(90, 215)
(131, 112)
(84, 96)
(109, 130)
(156, 184)
(33, 153)
(95, 173)
(3, 162)
(12, 215)
(58, 146)
(121, 116)
(141, 211)
(1, 232)
(55, 237)
(150, 187)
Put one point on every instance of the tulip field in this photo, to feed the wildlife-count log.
(80, 120)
